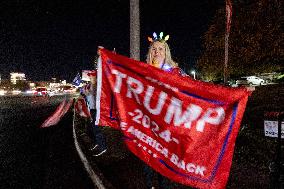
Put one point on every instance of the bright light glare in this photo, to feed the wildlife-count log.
(15, 92)
(2, 92)
(30, 91)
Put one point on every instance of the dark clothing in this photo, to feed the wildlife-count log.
(152, 176)
(98, 136)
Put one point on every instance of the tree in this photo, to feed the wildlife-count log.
(254, 43)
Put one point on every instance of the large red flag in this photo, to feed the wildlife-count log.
(183, 128)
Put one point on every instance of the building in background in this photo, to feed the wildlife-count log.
(16, 76)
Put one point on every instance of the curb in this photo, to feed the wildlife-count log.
(94, 177)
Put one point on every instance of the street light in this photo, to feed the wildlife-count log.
(193, 73)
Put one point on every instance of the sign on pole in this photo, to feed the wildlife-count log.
(271, 128)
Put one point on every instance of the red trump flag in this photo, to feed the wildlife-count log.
(183, 128)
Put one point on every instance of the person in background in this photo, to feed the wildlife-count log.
(99, 146)
(87, 94)
(81, 107)
(159, 55)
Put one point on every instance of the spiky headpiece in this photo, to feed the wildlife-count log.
(155, 37)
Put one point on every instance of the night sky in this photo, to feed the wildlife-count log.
(53, 38)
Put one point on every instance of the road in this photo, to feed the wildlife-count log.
(31, 157)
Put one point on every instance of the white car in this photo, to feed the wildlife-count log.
(250, 80)
(253, 80)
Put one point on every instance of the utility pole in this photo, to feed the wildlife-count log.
(226, 58)
(227, 33)
(134, 30)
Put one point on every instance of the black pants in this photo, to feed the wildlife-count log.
(98, 136)
(150, 175)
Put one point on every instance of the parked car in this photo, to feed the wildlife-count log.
(250, 80)
(242, 81)
(270, 77)
(254, 80)
(280, 79)
(40, 91)
(230, 82)
(51, 92)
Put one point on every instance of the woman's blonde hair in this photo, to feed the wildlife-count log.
(168, 56)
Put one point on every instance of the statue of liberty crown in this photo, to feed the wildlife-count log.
(155, 37)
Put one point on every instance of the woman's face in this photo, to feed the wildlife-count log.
(158, 53)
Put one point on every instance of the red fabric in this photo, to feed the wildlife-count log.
(183, 128)
(81, 108)
(60, 111)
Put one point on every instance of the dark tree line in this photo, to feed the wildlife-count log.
(254, 44)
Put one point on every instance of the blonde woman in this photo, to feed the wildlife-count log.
(159, 55)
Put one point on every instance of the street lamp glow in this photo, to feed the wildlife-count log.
(193, 73)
